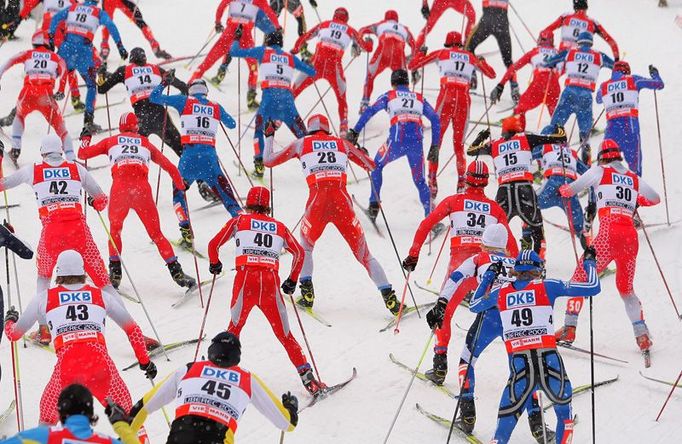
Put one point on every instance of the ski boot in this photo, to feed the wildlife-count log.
(207, 193)
(467, 415)
(566, 334)
(14, 154)
(473, 83)
(251, 103)
(540, 430)
(391, 301)
(9, 118)
(307, 294)
(515, 94)
(187, 240)
(309, 382)
(373, 211)
(305, 54)
(179, 276)
(115, 273)
(586, 153)
(416, 77)
(220, 75)
(662, 3)
(161, 54)
(150, 343)
(642, 336)
(258, 169)
(77, 104)
(90, 125)
(41, 336)
(440, 369)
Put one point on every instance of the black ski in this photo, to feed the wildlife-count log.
(582, 350)
(407, 311)
(421, 376)
(167, 347)
(365, 210)
(328, 391)
(469, 437)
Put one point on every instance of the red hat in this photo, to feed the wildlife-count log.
(514, 124)
(258, 197)
(609, 151)
(341, 15)
(40, 38)
(546, 38)
(477, 174)
(128, 122)
(318, 122)
(453, 38)
(622, 66)
(391, 15)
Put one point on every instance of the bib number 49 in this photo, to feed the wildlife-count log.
(523, 317)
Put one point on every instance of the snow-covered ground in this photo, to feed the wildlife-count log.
(362, 413)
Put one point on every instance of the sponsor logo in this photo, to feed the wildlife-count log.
(137, 70)
(472, 205)
(279, 58)
(512, 145)
(324, 145)
(520, 298)
(219, 373)
(584, 57)
(202, 109)
(123, 140)
(622, 180)
(56, 173)
(66, 297)
(259, 225)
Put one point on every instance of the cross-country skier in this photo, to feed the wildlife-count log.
(76, 314)
(42, 68)
(75, 406)
(572, 24)
(513, 158)
(438, 7)
(324, 160)
(212, 395)
(275, 74)
(619, 192)
(241, 15)
(296, 9)
(82, 22)
(200, 119)
(390, 53)
(620, 97)
(132, 10)
(526, 311)
(334, 36)
(259, 241)
(405, 137)
(130, 155)
(495, 22)
(456, 67)
(494, 251)
(544, 86)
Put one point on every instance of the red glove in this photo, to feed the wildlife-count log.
(565, 190)
(644, 202)
(99, 203)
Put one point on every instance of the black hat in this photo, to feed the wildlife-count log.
(275, 38)
(400, 77)
(138, 56)
(225, 350)
(75, 399)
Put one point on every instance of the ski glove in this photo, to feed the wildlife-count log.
(289, 286)
(216, 268)
(410, 263)
(149, 369)
(50, 39)
(313, 3)
(122, 51)
(590, 253)
(238, 33)
(482, 135)
(59, 96)
(496, 267)
(426, 11)
(653, 71)
(99, 203)
(219, 27)
(12, 315)
(496, 93)
(116, 413)
(168, 77)
(355, 50)
(290, 402)
(433, 154)
(435, 316)
(352, 136)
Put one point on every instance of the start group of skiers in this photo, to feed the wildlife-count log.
(502, 281)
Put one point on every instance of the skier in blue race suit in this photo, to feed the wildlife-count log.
(200, 119)
(620, 97)
(405, 137)
(82, 22)
(275, 72)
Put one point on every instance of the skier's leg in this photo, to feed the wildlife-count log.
(415, 157)
(516, 396)
(245, 292)
(338, 83)
(382, 158)
(489, 328)
(313, 224)
(218, 50)
(143, 204)
(374, 68)
(119, 205)
(94, 266)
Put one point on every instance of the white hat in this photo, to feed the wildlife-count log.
(495, 236)
(51, 143)
(198, 87)
(70, 263)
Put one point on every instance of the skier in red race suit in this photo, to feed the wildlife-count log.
(334, 36)
(437, 9)
(619, 192)
(324, 160)
(390, 53)
(76, 313)
(42, 67)
(240, 15)
(259, 240)
(456, 67)
(544, 86)
(130, 154)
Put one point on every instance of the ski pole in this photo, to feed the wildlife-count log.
(532, 36)
(239, 108)
(132, 283)
(409, 386)
(542, 417)
(211, 35)
(241, 164)
(669, 395)
(194, 253)
(396, 330)
(286, 12)
(305, 337)
(518, 40)
(246, 128)
(440, 250)
(567, 205)
(592, 376)
(660, 149)
(203, 321)
(660, 270)
(163, 143)
(329, 88)
(272, 195)
(319, 19)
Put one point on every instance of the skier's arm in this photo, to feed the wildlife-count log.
(598, 98)
(411, 42)
(265, 8)
(419, 61)
(480, 302)
(118, 313)
(434, 118)
(556, 24)
(22, 175)
(599, 29)
(226, 118)
(377, 106)
(9, 240)
(303, 67)
(312, 32)
(153, 400)
(90, 185)
(590, 178)
(38, 435)
(537, 140)
(655, 82)
(269, 406)
(15, 330)
(17, 58)
(220, 238)
(176, 83)
(465, 270)
(369, 29)
(517, 65)
(272, 159)
(62, 73)
(647, 195)
(440, 212)
(112, 79)
(57, 19)
(86, 152)
(297, 253)
(558, 58)
(470, 14)
(592, 287)
(165, 164)
(106, 21)
(366, 45)
(176, 101)
(29, 5)
(606, 62)
(359, 157)
(221, 10)
(252, 53)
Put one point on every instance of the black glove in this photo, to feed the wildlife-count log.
(50, 39)
(355, 50)
(590, 253)
(364, 150)
(352, 136)
(116, 413)
(122, 51)
(435, 316)
(216, 268)
(238, 33)
(433, 154)
(290, 402)
(426, 11)
(219, 27)
(58, 96)
(482, 135)
(12, 315)
(313, 3)
(496, 93)
(653, 71)
(410, 263)
(168, 77)
(496, 267)
(289, 286)
(590, 211)
(149, 369)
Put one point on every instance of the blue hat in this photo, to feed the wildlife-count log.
(585, 38)
(528, 260)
